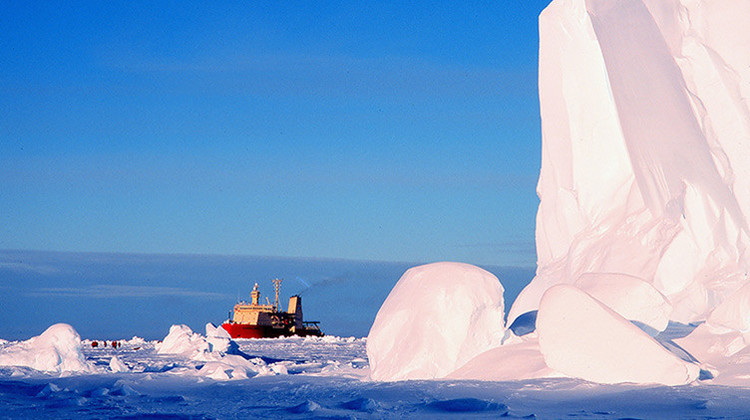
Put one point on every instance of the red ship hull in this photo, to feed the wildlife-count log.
(261, 331)
(252, 331)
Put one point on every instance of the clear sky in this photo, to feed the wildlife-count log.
(365, 130)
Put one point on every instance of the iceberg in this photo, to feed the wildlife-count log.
(644, 190)
(645, 154)
(437, 317)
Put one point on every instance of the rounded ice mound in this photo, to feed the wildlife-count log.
(583, 338)
(437, 317)
(57, 350)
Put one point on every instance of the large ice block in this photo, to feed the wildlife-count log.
(646, 148)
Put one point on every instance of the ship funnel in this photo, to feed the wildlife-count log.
(295, 308)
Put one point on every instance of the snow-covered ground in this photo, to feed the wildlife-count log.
(327, 377)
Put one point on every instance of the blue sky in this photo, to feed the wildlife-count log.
(362, 130)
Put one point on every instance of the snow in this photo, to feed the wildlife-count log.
(437, 317)
(520, 359)
(56, 350)
(329, 378)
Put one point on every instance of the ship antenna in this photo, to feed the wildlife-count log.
(276, 289)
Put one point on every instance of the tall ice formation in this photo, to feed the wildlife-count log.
(646, 150)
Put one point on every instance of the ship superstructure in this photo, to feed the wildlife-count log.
(256, 320)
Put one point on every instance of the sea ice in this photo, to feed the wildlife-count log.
(56, 350)
(583, 338)
(437, 317)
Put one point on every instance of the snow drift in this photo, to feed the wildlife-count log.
(56, 350)
(436, 318)
(646, 149)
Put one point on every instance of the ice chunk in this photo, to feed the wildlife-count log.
(219, 339)
(58, 350)
(581, 337)
(725, 353)
(135, 341)
(217, 350)
(437, 317)
(124, 389)
(182, 340)
(116, 365)
(629, 296)
(646, 148)
(734, 312)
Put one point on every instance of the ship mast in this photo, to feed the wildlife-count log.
(276, 288)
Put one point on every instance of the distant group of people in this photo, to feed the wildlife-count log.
(114, 344)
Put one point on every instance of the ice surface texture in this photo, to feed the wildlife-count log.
(436, 318)
(645, 155)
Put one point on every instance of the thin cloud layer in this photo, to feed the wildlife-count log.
(104, 291)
